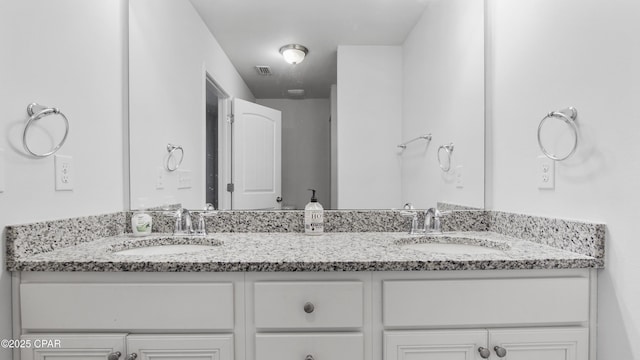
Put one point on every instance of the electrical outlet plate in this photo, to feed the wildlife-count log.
(64, 172)
(184, 179)
(546, 173)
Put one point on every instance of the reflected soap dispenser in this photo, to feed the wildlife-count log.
(313, 216)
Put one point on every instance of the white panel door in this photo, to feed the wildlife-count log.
(73, 346)
(536, 344)
(434, 345)
(180, 347)
(257, 146)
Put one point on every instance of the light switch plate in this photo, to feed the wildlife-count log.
(184, 179)
(459, 177)
(545, 173)
(160, 178)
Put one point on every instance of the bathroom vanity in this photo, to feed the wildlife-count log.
(342, 295)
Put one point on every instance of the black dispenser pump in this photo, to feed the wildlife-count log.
(313, 195)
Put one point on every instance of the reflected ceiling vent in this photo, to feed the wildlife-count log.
(264, 70)
(296, 93)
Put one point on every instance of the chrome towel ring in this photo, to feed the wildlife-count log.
(171, 148)
(448, 149)
(569, 116)
(36, 112)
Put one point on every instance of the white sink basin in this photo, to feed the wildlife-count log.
(452, 248)
(165, 250)
(454, 243)
(164, 245)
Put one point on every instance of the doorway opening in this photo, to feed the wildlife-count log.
(216, 144)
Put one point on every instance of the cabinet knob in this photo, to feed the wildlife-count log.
(132, 356)
(484, 352)
(308, 357)
(500, 351)
(308, 308)
(114, 355)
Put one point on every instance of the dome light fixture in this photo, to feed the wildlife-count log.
(293, 53)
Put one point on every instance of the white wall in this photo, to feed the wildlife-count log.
(370, 112)
(443, 94)
(546, 55)
(306, 154)
(69, 54)
(171, 50)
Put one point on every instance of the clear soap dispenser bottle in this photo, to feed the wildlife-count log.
(313, 216)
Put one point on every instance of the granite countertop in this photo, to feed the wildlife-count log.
(294, 251)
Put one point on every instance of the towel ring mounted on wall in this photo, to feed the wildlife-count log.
(448, 149)
(37, 112)
(171, 148)
(569, 116)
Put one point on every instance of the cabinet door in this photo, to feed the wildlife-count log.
(73, 346)
(180, 347)
(544, 343)
(434, 345)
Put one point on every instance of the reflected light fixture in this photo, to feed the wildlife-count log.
(293, 53)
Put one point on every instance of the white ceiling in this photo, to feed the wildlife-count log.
(252, 31)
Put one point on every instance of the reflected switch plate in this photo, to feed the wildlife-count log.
(184, 179)
(546, 173)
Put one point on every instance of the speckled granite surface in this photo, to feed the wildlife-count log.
(355, 240)
(298, 252)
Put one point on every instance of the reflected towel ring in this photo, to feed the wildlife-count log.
(569, 116)
(172, 149)
(36, 112)
(449, 150)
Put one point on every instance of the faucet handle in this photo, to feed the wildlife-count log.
(414, 220)
(201, 227)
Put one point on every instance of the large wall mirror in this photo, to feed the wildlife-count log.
(217, 116)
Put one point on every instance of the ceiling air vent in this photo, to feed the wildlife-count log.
(264, 70)
(296, 93)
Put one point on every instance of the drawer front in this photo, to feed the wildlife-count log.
(310, 346)
(485, 302)
(195, 306)
(308, 304)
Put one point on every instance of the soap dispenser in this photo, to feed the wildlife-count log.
(313, 216)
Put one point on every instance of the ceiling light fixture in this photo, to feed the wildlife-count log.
(294, 53)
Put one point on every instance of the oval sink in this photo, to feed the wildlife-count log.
(452, 248)
(454, 243)
(165, 249)
(164, 245)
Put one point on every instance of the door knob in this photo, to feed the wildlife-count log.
(484, 352)
(309, 357)
(500, 351)
(279, 199)
(132, 356)
(114, 355)
(309, 307)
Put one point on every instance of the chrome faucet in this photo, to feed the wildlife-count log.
(432, 221)
(183, 223)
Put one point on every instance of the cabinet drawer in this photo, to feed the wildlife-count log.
(308, 305)
(318, 346)
(485, 302)
(193, 306)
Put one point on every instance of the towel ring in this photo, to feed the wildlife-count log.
(172, 150)
(448, 149)
(37, 112)
(569, 116)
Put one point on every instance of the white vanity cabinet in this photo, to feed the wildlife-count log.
(513, 344)
(518, 315)
(128, 347)
(422, 315)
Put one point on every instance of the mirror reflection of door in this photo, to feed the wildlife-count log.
(257, 156)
